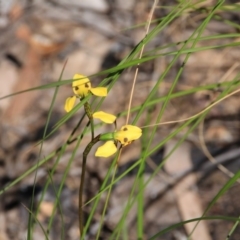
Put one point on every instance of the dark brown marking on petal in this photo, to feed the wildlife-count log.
(125, 140)
(86, 85)
(76, 88)
(125, 129)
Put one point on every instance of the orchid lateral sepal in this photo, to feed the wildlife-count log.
(107, 149)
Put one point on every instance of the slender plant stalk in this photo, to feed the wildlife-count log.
(80, 203)
(233, 229)
(88, 111)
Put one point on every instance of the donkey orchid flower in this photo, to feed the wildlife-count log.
(126, 135)
(82, 88)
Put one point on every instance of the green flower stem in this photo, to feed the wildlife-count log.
(80, 203)
(88, 111)
(92, 128)
(107, 136)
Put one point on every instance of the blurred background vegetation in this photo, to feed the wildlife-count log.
(190, 59)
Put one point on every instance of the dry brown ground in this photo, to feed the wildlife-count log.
(36, 39)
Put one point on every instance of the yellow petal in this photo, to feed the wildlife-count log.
(69, 103)
(106, 150)
(131, 128)
(99, 91)
(127, 134)
(82, 86)
(105, 117)
(82, 79)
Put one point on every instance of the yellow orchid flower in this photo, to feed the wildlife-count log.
(125, 136)
(82, 87)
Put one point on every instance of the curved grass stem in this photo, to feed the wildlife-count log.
(80, 196)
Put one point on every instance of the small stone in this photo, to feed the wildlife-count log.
(95, 5)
